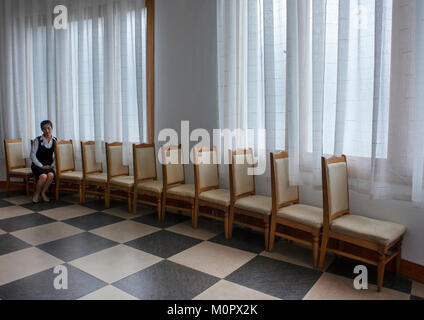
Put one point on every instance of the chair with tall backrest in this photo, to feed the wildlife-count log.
(208, 193)
(250, 209)
(94, 179)
(16, 164)
(67, 178)
(177, 194)
(147, 189)
(120, 185)
(381, 239)
(290, 219)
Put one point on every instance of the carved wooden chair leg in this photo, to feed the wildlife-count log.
(226, 223)
(323, 251)
(380, 272)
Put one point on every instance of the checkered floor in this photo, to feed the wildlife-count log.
(111, 254)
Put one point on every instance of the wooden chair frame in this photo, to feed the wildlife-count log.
(384, 256)
(129, 191)
(202, 203)
(147, 195)
(58, 177)
(100, 188)
(249, 214)
(190, 202)
(276, 220)
(9, 167)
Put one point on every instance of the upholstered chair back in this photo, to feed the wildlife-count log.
(89, 158)
(115, 161)
(338, 191)
(208, 175)
(285, 193)
(172, 159)
(65, 156)
(243, 182)
(145, 164)
(14, 154)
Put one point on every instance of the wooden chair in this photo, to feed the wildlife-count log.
(16, 164)
(67, 178)
(94, 179)
(118, 177)
(177, 194)
(147, 189)
(382, 238)
(290, 219)
(207, 191)
(254, 211)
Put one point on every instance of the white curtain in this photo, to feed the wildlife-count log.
(346, 87)
(351, 87)
(251, 70)
(88, 79)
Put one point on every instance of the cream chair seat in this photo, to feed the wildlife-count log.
(123, 181)
(147, 188)
(380, 232)
(176, 194)
(211, 201)
(120, 185)
(184, 190)
(152, 185)
(72, 175)
(304, 214)
(94, 179)
(97, 177)
(16, 164)
(247, 208)
(382, 237)
(290, 219)
(22, 172)
(256, 203)
(65, 170)
(220, 196)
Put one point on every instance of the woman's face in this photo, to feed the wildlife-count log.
(47, 130)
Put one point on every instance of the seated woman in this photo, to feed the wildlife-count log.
(43, 162)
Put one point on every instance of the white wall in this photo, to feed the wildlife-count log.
(185, 73)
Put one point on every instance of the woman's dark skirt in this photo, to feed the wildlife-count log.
(37, 171)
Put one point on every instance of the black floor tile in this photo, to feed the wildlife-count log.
(146, 210)
(23, 222)
(166, 281)
(243, 239)
(277, 278)
(76, 246)
(170, 220)
(344, 267)
(4, 204)
(93, 221)
(40, 286)
(9, 243)
(163, 243)
(12, 193)
(46, 206)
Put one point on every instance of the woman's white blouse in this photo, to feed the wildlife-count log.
(34, 150)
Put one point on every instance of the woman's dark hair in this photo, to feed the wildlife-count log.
(43, 123)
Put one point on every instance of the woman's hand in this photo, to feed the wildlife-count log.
(46, 167)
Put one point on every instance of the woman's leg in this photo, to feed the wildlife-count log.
(46, 187)
(40, 184)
